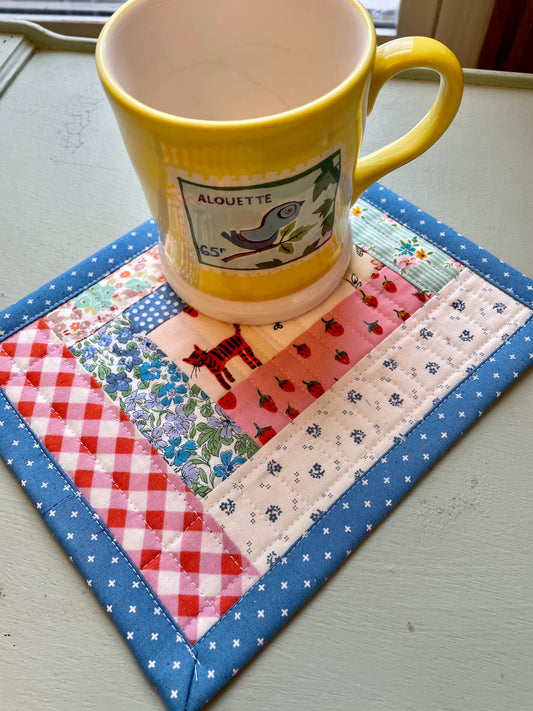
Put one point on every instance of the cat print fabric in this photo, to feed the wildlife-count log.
(279, 391)
(216, 358)
(263, 394)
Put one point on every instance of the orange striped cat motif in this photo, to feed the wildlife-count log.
(216, 358)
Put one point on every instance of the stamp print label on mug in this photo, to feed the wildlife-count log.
(266, 225)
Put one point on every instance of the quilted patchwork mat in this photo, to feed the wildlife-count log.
(206, 478)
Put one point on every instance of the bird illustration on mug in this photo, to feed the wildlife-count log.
(266, 233)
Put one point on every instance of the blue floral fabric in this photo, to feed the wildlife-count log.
(195, 436)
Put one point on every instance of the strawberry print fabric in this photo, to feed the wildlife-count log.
(205, 503)
(295, 377)
(290, 482)
(181, 335)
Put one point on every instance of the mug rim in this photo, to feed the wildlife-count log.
(134, 105)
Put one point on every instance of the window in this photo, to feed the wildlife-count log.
(57, 9)
(70, 16)
(460, 25)
(384, 14)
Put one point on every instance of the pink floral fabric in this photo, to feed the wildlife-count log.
(85, 313)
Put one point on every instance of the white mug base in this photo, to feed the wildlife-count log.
(257, 313)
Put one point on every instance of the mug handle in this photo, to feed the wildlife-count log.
(392, 58)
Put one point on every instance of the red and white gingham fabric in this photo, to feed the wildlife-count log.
(189, 562)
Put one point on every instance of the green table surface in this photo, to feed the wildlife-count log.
(434, 611)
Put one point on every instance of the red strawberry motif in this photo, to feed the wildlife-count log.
(314, 388)
(342, 357)
(228, 401)
(369, 300)
(389, 286)
(402, 315)
(374, 275)
(189, 310)
(421, 296)
(374, 327)
(291, 412)
(285, 385)
(265, 434)
(303, 350)
(334, 328)
(267, 402)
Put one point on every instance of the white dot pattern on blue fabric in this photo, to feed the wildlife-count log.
(154, 309)
(157, 642)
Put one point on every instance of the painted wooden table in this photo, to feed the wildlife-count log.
(434, 610)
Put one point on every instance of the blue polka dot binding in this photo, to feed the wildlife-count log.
(188, 675)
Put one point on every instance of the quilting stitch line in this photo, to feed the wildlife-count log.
(415, 406)
(166, 374)
(432, 349)
(92, 322)
(404, 334)
(383, 243)
(377, 312)
(259, 458)
(130, 506)
(141, 441)
(465, 357)
(407, 434)
(204, 336)
(319, 337)
(478, 272)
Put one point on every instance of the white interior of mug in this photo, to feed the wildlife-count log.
(227, 60)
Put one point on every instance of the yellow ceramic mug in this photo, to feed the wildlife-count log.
(243, 120)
